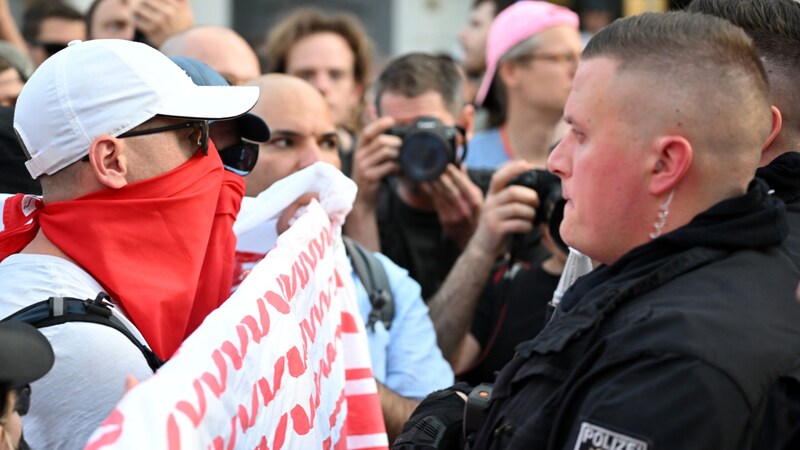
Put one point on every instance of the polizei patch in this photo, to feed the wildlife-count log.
(592, 437)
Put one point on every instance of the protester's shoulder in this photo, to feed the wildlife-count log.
(27, 279)
(36, 264)
(85, 345)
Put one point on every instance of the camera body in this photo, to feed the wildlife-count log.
(546, 185)
(551, 203)
(428, 147)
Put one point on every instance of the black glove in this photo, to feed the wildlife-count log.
(437, 422)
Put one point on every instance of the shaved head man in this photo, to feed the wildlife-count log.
(221, 48)
(303, 130)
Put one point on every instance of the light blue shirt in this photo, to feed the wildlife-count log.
(485, 150)
(406, 359)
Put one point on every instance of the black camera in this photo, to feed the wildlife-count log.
(428, 146)
(551, 203)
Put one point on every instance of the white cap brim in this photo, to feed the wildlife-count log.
(211, 102)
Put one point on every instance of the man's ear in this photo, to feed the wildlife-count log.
(467, 120)
(777, 122)
(673, 157)
(108, 161)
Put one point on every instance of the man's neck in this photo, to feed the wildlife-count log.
(41, 245)
(531, 133)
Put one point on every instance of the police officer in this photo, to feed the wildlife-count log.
(675, 340)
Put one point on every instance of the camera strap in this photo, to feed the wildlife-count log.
(503, 279)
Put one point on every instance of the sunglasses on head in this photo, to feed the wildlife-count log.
(240, 158)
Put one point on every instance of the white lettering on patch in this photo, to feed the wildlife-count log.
(593, 437)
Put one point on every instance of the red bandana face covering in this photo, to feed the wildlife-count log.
(150, 244)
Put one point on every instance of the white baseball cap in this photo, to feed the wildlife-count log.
(109, 86)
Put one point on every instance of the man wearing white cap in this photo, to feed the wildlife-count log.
(118, 136)
(532, 52)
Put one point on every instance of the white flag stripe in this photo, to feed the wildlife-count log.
(351, 359)
(363, 386)
(367, 441)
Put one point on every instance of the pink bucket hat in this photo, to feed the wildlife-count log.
(515, 24)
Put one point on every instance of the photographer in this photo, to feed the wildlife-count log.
(478, 332)
(420, 222)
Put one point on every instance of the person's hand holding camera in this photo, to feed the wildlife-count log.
(374, 158)
(458, 202)
(506, 210)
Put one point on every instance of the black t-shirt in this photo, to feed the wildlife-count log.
(415, 240)
(526, 296)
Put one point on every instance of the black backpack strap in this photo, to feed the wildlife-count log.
(58, 310)
(373, 276)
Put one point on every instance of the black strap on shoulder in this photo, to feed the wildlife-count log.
(58, 310)
(373, 276)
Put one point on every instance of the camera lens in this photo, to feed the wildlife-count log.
(424, 156)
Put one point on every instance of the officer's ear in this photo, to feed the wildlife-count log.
(671, 158)
(109, 162)
(777, 122)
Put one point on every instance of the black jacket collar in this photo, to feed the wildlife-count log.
(753, 220)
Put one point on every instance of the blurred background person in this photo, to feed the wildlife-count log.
(334, 54)
(596, 14)
(221, 48)
(532, 53)
(472, 39)
(148, 21)
(14, 176)
(15, 69)
(48, 26)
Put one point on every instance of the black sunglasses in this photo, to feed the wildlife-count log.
(240, 158)
(51, 48)
(202, 140)
(23, 400)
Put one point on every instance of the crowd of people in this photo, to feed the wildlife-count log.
(649, 175)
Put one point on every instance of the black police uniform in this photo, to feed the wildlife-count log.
(781, 429)
(783, 175)
(674, 346)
